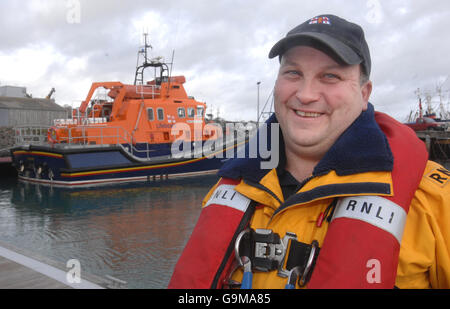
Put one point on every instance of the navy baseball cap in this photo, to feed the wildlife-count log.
(329, 33)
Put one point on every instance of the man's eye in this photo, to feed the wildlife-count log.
(331, 76)
(292, 72)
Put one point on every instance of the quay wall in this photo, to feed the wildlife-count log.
(6, 139)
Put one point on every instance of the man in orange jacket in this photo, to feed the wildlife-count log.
(354, 201)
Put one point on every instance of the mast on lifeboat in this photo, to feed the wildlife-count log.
(155, 63)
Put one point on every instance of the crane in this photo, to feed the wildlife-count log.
(50, 94)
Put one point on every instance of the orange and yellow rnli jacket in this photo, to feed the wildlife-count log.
(360, 164)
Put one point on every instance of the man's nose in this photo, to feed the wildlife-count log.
(307, 92)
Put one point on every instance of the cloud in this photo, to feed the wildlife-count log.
(220, 46)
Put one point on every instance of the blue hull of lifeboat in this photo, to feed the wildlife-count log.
(77, 167)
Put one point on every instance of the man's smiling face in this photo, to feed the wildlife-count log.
(316, 99)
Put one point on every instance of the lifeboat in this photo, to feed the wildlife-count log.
(128, 132)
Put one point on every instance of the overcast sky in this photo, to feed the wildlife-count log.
(220, 46)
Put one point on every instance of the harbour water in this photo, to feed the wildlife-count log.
(133, 232)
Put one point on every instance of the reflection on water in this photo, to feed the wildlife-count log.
(133, 232)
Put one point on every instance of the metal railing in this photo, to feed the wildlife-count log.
(30, 134)
(91, 136)
(87, 134)
(79, 121)
(82, 136)
(148, 90)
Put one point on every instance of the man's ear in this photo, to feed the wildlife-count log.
(366, 90)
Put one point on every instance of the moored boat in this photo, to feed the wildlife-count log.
(121, 132)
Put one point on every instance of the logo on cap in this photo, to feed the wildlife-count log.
(320, 20)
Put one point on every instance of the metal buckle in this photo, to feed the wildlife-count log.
(275, 252)
(304, 277)
(283, 272)
(236, 246)
(270, 251)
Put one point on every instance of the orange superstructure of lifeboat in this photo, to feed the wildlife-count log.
(142, 114)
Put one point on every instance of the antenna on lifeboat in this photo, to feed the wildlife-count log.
(170, 71)
(139, 76)
(146, 46)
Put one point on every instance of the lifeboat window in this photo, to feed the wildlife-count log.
(191, 112)
(106, 112)
(200, 110)
(160, 112)
(150, 114)
(181, 112)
